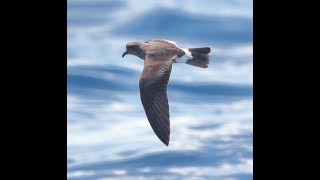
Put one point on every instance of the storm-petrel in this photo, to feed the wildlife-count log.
(158, 56)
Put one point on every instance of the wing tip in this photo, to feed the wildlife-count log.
(165, 141)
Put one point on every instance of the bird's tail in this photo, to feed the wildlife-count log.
(197, 56)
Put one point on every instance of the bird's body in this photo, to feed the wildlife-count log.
(158, 56)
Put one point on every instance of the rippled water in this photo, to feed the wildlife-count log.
(109, 136)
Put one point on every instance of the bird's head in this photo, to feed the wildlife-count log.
(133, 48)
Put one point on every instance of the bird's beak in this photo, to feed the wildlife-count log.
(124, 53)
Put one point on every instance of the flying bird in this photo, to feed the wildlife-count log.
(158, 56)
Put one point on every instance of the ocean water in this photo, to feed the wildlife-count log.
(108, 134)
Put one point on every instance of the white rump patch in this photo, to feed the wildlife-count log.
(172, 42)
(185, 57)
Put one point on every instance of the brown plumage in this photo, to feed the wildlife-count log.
(158, 56)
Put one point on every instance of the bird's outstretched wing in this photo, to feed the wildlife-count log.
(153, 92)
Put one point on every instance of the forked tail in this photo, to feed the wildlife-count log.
(196, 56)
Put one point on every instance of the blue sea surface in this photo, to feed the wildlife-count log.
(108, 134)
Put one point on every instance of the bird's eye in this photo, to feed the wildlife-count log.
(133, 47)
